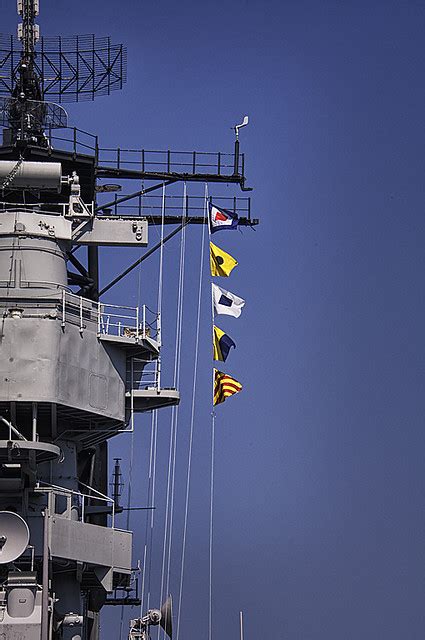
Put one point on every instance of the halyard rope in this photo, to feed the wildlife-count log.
(192, 423)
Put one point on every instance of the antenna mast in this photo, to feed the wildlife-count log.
(26, 119)
(28, 31)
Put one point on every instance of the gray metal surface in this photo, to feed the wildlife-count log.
(141, 400)
(42, 362)
(90, 543)
(22, 452)
(21, 627)
(30, 223)
(33, 175)
(31, 263)
(113, 232)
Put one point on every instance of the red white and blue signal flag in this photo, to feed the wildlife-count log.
(222, 219)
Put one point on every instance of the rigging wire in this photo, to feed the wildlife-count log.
(127, 524)
(176, 378)
(192, 423)
(130, 471)
(168, 527)
(153, 461)
(211, 525)
(160, 279)
(211, 531)
(148, 499)
(149, 535)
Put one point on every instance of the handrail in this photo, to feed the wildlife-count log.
(111, 319)
(146, 160)
(65, 491)
(13, 429)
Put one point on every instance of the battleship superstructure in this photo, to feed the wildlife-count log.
(72, 368)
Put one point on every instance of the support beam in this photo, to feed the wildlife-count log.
(144, 256)
(77, 264)
(93, 264)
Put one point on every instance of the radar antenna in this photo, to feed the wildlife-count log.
(25, 121)
(64, 69)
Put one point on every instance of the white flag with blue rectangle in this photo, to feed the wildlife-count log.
(226, 303)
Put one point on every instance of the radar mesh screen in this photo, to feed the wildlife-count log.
(69, 69)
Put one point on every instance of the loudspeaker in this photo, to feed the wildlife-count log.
(14, 536)
(166, 621)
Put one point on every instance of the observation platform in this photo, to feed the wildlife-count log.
(23, 452)
(140, 400)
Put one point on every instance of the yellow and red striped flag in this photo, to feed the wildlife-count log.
(224, 386)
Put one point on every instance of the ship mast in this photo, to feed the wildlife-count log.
(75, 369)
(27, 111)
(28, 31)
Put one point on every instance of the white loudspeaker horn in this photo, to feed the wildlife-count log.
(14, 536)
(166, 617)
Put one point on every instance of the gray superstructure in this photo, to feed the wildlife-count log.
(73, 369)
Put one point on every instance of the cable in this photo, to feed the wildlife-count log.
(192, 422)
(168, 527)
(175, 411)
(211, 525)
(210, 594)
(160, 279)
(147, 514)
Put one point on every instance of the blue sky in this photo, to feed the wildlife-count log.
(319, 518)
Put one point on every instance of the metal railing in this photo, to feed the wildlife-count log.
(13, 431)
(39, 207)
(75, 140)
(111, 319)
(151, 205)
(75, 502)
(128, 322)
(143, 374)
(79, 309)
(167, 161)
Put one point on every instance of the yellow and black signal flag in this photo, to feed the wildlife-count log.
(224, 386)
(222, 343)
(222, 263)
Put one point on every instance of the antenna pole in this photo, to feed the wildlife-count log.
(241, 624)
(117, 484)
(26, 118)
(28, 31)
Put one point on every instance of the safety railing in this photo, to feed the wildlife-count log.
(167, 161)
(72, 504)
(151, 205)
(128, 322)
(12, 430)
(78, 310)
(74, 140)
(143, 374)
(111, 319)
